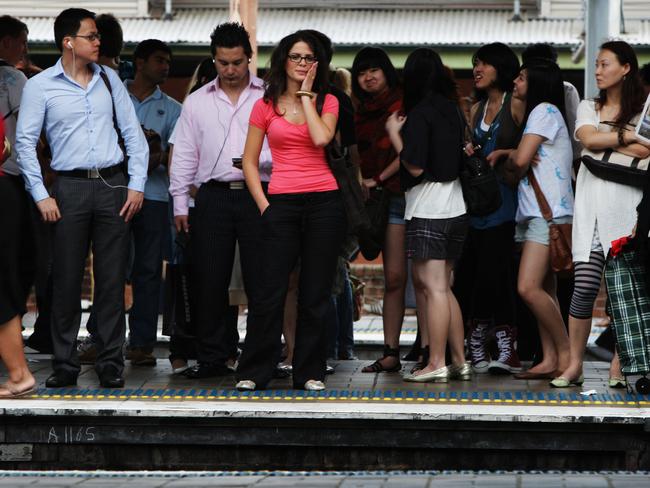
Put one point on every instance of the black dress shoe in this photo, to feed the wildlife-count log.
(61, 378)
(110, 378)
(207, 370)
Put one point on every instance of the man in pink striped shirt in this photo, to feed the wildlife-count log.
(210, 134)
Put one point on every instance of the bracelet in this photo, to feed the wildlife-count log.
(377, 179)
(621, 139)
(305, 93)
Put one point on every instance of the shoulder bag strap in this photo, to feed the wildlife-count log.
(120, 139)
(544, 207)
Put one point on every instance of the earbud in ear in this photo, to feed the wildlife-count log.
(69, 44)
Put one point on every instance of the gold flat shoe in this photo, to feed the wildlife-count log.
(462, 372)
(617, 382)
(562, 382)
(440, 375)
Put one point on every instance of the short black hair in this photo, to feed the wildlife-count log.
(230, 34)
(149, 46)
(325, 41)
(112, 37)
(68, 23)
(539, 51)
(644, 72)
(372, 57)
(11, 26)
(503, 59)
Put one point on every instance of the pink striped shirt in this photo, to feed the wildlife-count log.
(209, 133)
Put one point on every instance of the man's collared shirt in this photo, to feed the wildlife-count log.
(209, 133)
(79, 127)
(12, 82)
(159, 113)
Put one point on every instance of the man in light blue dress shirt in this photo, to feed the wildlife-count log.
(95, 195)
(151, 227)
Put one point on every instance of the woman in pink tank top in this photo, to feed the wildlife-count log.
(303, 215)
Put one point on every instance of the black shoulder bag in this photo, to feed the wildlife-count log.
(345, 174)
(120, 139)
(479, 181)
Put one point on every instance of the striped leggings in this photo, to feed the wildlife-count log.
(587, 278)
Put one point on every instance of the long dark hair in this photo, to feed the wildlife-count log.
(276, 78)
(545, 85)
(505, 63)
(425, 74)
(372, 57)
(632, 94)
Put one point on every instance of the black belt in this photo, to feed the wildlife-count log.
(94, 173)
(233, 185)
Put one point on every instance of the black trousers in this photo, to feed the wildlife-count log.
(485, 279)
(89, 216)
(221, 218)
(310, 227)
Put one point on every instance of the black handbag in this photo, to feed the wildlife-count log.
(479, 181)
(371, 241)
(179, 311)
(611, 165)
(345, 174)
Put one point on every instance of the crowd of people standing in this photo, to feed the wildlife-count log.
(242, 168)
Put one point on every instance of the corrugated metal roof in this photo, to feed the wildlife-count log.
(363, 27)
(346, 27)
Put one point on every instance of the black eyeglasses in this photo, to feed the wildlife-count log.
(297, 58)
(91, 37)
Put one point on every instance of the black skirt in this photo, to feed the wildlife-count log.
(15, 247)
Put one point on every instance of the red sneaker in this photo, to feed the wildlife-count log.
(508, 360)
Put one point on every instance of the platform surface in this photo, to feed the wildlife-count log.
(156, 392)
(325, 480)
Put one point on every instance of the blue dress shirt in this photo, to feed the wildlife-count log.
(78, 124)
(158, 112)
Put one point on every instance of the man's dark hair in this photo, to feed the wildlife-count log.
(230, 34)
(539, 51)
(68, 23)
(325, 41)
(149, 46)
(644, 72)
(112, 37)
(11, 26)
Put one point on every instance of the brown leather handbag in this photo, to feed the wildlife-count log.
(559, 242)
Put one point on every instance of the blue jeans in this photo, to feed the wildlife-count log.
(150, 237)
(341, 343)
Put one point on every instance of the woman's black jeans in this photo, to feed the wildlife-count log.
(310, 227)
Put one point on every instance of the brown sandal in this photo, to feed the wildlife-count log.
(377, 367)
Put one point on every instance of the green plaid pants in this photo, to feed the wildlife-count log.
(629, 309)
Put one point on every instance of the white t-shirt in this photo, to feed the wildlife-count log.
(571, 102)
(12, 82)
(553, 173)
(601, 205)
(435, 200)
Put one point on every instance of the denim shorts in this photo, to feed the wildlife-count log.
(536, 229)
(396, 209)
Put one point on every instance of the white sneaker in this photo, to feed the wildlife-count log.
(314, 385)
(245, 385)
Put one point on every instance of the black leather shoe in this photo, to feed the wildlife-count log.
(207, 370)
(61, 378)
(110, 378)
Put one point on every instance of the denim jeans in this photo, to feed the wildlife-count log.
(150, 227)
